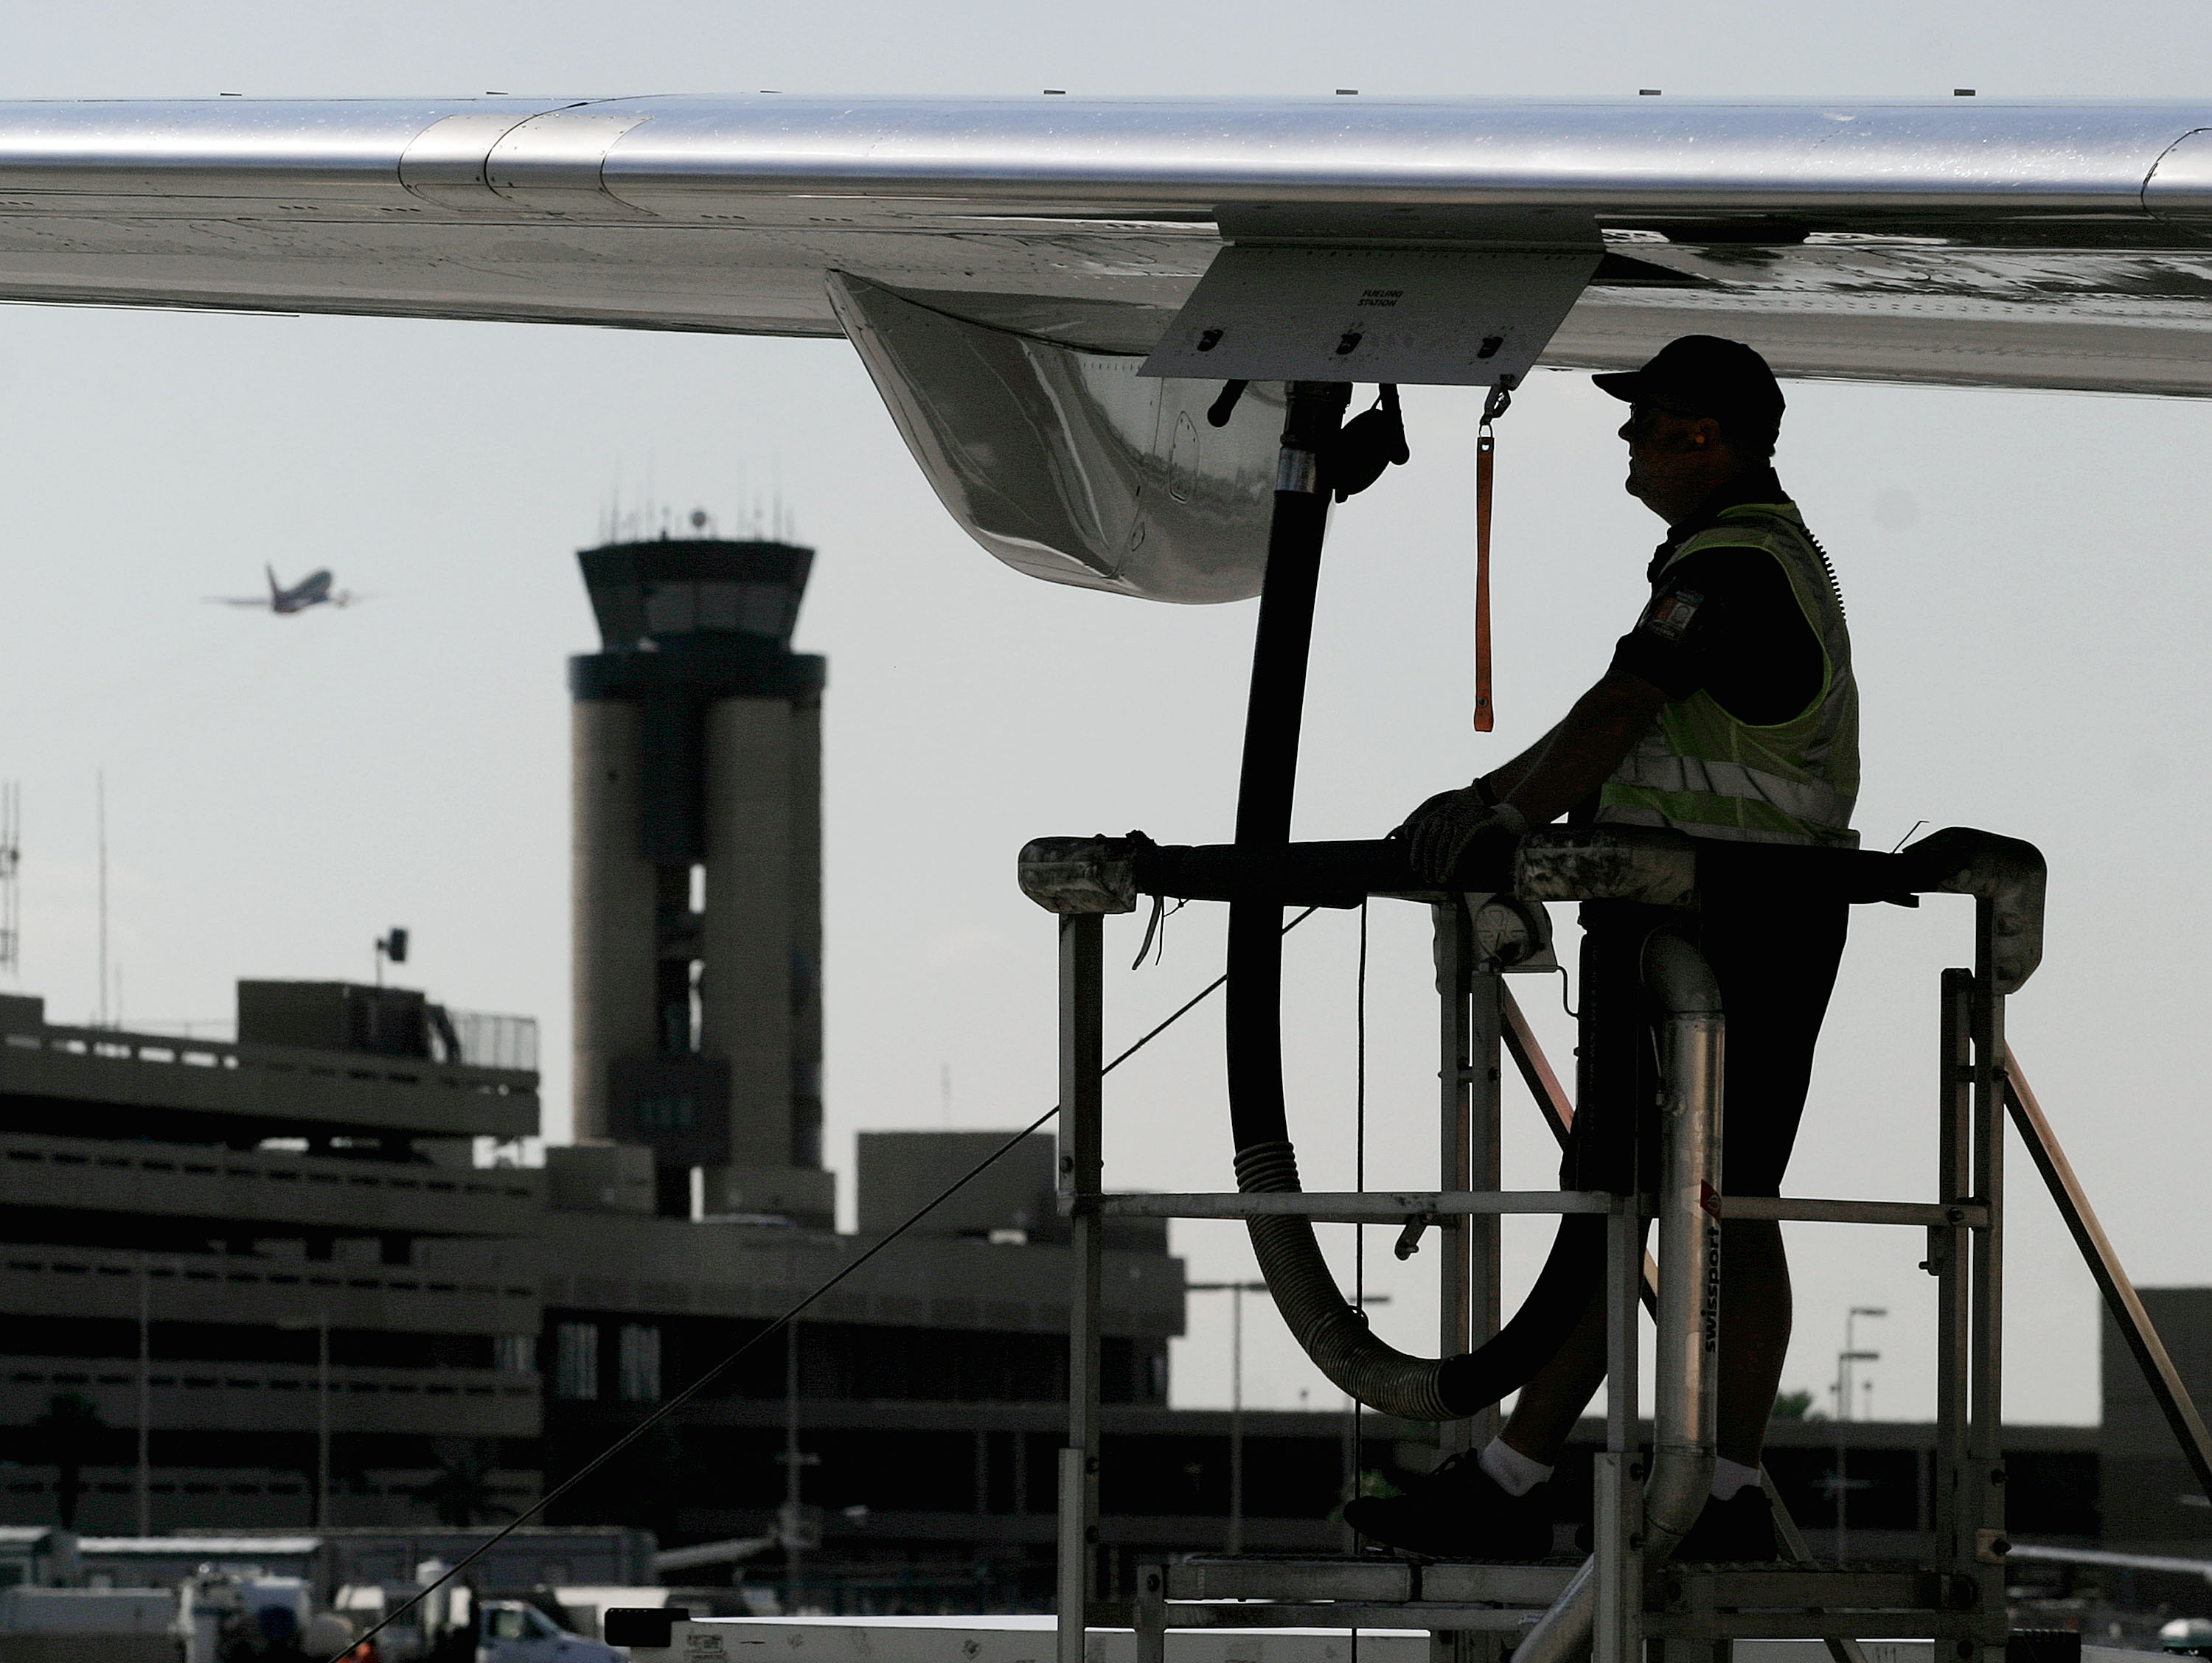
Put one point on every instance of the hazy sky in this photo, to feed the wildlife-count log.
(2024, 573)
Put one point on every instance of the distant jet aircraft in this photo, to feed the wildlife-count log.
(313, 590)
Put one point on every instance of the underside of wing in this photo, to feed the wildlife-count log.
(1044, 246)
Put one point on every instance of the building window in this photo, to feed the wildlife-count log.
(576, 1362)
(640, 1364)
(515, 1354)
(666, 1112)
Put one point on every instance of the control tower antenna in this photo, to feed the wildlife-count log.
(11, 861)
(100, 818)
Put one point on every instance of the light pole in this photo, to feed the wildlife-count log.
(145, 1397)
(1234, 1543)
(793, 1563)
(322, 1421)
(1844, 1358)
(321, 1325)
(1234, 1540)
(791, 1519)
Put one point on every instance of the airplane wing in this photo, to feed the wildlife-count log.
(260, 602)
(1005, 266)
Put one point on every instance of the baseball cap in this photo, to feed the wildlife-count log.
(1702, 375)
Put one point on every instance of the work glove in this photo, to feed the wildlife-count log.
(1440, 831)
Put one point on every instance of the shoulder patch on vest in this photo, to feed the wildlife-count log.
(1669, 613)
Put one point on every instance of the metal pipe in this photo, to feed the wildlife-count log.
(1485, 1311)
(1455, 959)
(1367, 1206)
(1984, 1508)
(1689, 1244)
(1689, 1287)
(1947, 1251)
(1080, 1177)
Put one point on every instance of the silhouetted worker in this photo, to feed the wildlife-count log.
(1729, 713)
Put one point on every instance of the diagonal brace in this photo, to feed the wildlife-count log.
(2120, 1297)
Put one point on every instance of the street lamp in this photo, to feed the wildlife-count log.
(1234, 1540)
(1234, 1543)
(321, 1324)
(796, 1530)
(1844, 1358)
(145, 1485)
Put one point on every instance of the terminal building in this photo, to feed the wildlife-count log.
(265, 1281)
(281, 1259)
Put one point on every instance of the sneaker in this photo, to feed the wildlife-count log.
(1736, 1532)
(1458, 1512)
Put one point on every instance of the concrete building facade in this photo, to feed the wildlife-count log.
(281, 1262)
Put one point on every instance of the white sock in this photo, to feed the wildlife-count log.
(1729, 1476)
(1512, 1472)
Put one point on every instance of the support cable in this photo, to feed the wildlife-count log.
(783, 1322)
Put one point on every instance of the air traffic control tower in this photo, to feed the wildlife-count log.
(698, 876)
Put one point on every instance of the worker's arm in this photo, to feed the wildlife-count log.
(1581, 752)
(1544, 781)
(1506, 777)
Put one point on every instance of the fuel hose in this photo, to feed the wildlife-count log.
(1326, 1325)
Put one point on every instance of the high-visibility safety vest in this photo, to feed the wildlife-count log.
(1702, 770)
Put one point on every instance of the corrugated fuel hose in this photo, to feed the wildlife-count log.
(1334, 1335)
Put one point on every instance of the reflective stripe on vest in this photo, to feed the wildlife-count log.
(1700, 770)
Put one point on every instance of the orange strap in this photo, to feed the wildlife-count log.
(1484, 444)
(1485, 447)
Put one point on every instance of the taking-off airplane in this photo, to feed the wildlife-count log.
(313, 590)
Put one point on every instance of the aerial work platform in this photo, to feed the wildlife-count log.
(1627, 1592)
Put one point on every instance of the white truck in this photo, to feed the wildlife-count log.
(514, 1631)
